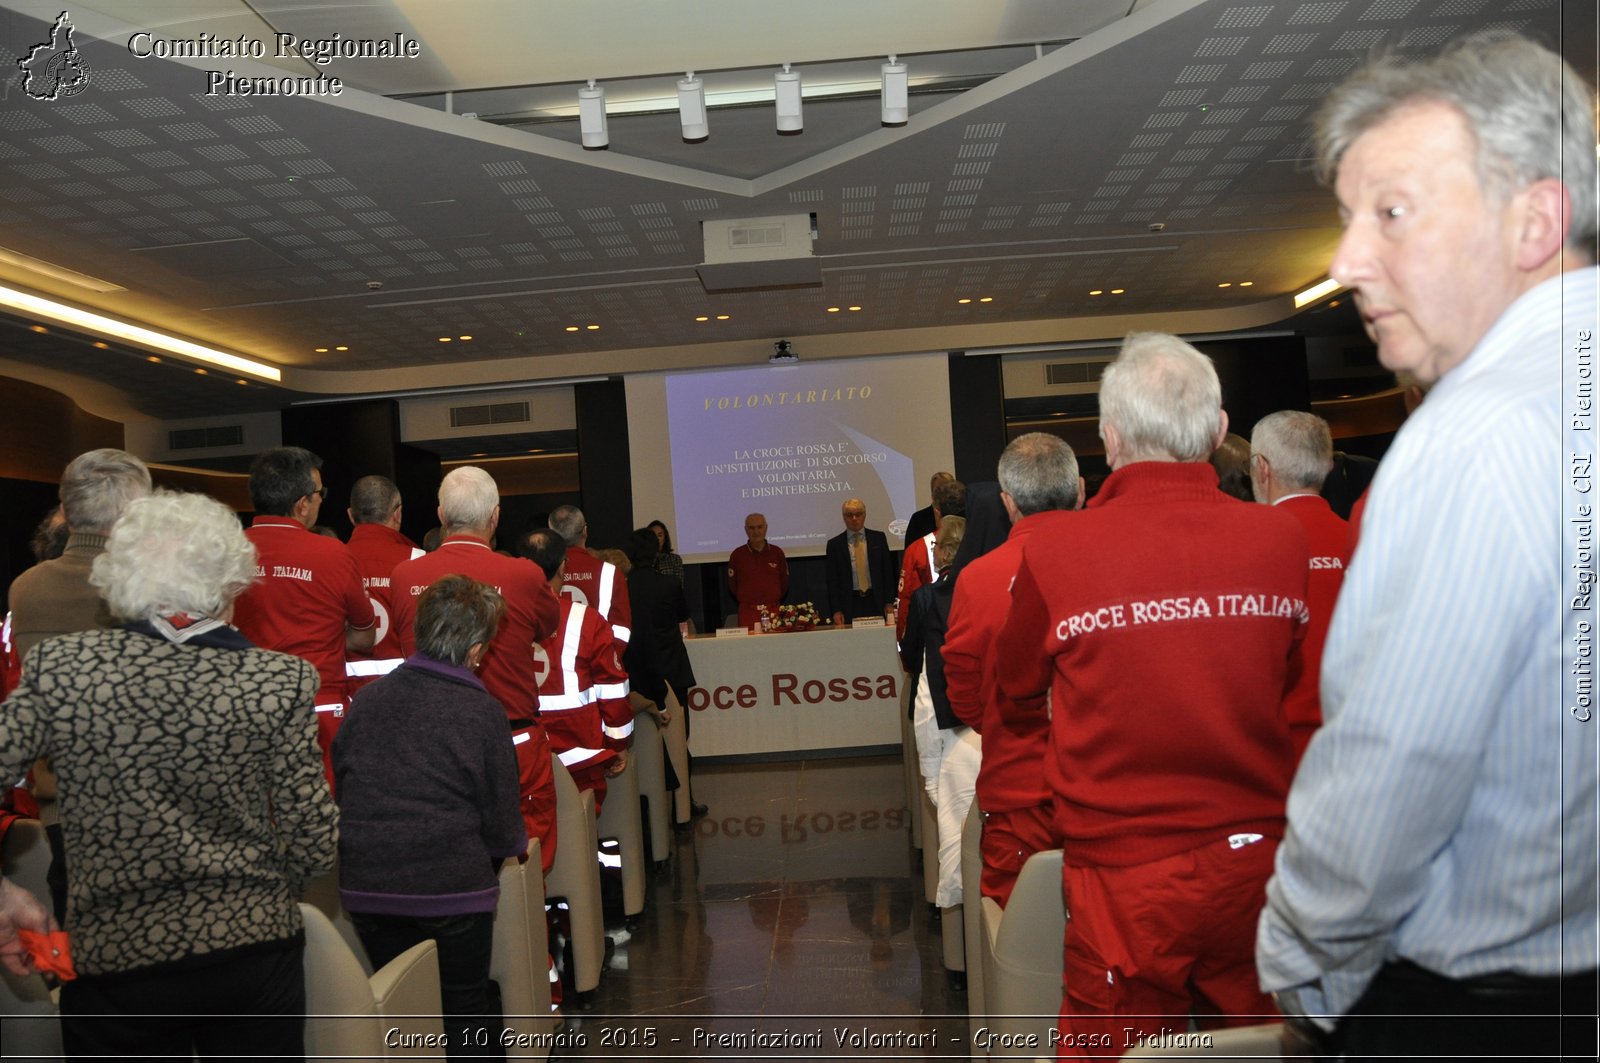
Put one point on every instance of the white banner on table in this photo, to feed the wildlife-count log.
(828, 689)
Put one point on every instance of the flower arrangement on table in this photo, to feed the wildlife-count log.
(802, 617)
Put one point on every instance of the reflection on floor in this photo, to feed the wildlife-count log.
(796, 906)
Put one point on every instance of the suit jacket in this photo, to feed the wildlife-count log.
(880, 565)
(921, 523)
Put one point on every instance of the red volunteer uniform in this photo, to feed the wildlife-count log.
(377, 549)
(916, 570)
(10, 664)
(1160, 622)
(307, 589)
(508, 668)
(601, 586)
(583, 696)
(1329, 539)
(1018, 814)
(756, 579)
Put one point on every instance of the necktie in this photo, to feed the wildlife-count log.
(863, 579)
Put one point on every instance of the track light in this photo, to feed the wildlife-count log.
(896, 92)
(786, 84)
(692, 108)
(592, 117)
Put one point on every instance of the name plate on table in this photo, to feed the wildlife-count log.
(731, 632)
(868, 621)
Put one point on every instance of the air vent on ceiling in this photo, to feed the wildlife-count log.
(489, 413)
(222, 435)
(1073, 372)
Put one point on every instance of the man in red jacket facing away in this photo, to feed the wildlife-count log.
(1155, 629)
(596, 583)
(1291, 452)
(378, 546)
(583, 688)
(307, 599)
(1038, 480)
(469, 511)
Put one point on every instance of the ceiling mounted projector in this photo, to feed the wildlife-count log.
(783, 354)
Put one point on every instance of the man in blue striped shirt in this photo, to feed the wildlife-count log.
(1441, 852)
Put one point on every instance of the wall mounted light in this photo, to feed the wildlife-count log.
(692, 108)
(786, 84)
(896, 92)
(592, 117)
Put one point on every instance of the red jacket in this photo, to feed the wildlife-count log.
(307, 588)
(377, 549)
(583, 689)
(600, 584)
(916, 570)
(1160, 622)
(757, 579)
(1015, 743)
(1329, 539)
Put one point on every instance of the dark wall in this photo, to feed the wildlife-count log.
(1260, 376)
(605, 471)
(356, 439)
(977, 415)
(23, 504)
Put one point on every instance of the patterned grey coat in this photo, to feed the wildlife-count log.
(193, 802)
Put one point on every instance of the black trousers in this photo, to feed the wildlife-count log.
(470, 999)
(1409, 1011)
(249, 1002)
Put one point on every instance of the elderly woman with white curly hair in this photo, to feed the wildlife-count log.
(193, 803)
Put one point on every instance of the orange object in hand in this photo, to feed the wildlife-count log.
(51, 952)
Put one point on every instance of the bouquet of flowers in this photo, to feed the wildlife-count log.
(802, 617)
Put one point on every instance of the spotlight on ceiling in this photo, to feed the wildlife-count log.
(786, 83)
(896, 92)
(692, 108)
(783, 354)
(592, 117)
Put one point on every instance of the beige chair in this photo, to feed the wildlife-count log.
(1023, 985)
(575, 877)
(349, 1015)
(651, 757)
(520, 959)
(677, 743)
(972, 918)
(620, 820)
(930, 843)
(30, 1021)
(1234, 1045)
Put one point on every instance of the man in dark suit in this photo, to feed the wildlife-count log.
(925, 520)
(861, 574)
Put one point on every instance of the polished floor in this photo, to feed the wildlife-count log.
(795, 908)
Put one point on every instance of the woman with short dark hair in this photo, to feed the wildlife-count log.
(426, 780)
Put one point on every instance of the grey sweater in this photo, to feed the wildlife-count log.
(426, 778)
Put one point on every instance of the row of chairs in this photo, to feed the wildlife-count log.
(1012, 956)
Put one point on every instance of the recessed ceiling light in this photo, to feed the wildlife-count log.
(322, 350)
(855, 308)
(592, 328)
(987, 299)
(1097, 291)
(444, 339)
(703, 317)
(242, 383)
(1246, 284)
(200, 372)
(1225, 284)
(461, 338)
(963, 302)
(101, 346)
(341, 348)
(720, 317)
(573, 328)
(37, 328)
(153, 358)
(1118, 291)
(833, 309)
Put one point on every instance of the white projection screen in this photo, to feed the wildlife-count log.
(791, 442)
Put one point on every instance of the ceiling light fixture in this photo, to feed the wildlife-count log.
(1316, 291)
(9, 257)
(896, 92)
(786, 86)
(120, 330)
(592, 117)
(692, 108)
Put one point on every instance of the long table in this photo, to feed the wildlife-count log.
(804, 690)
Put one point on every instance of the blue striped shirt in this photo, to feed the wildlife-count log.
(1446, 812)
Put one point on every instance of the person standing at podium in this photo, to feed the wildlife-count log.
(758, 572)
(861, 575)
